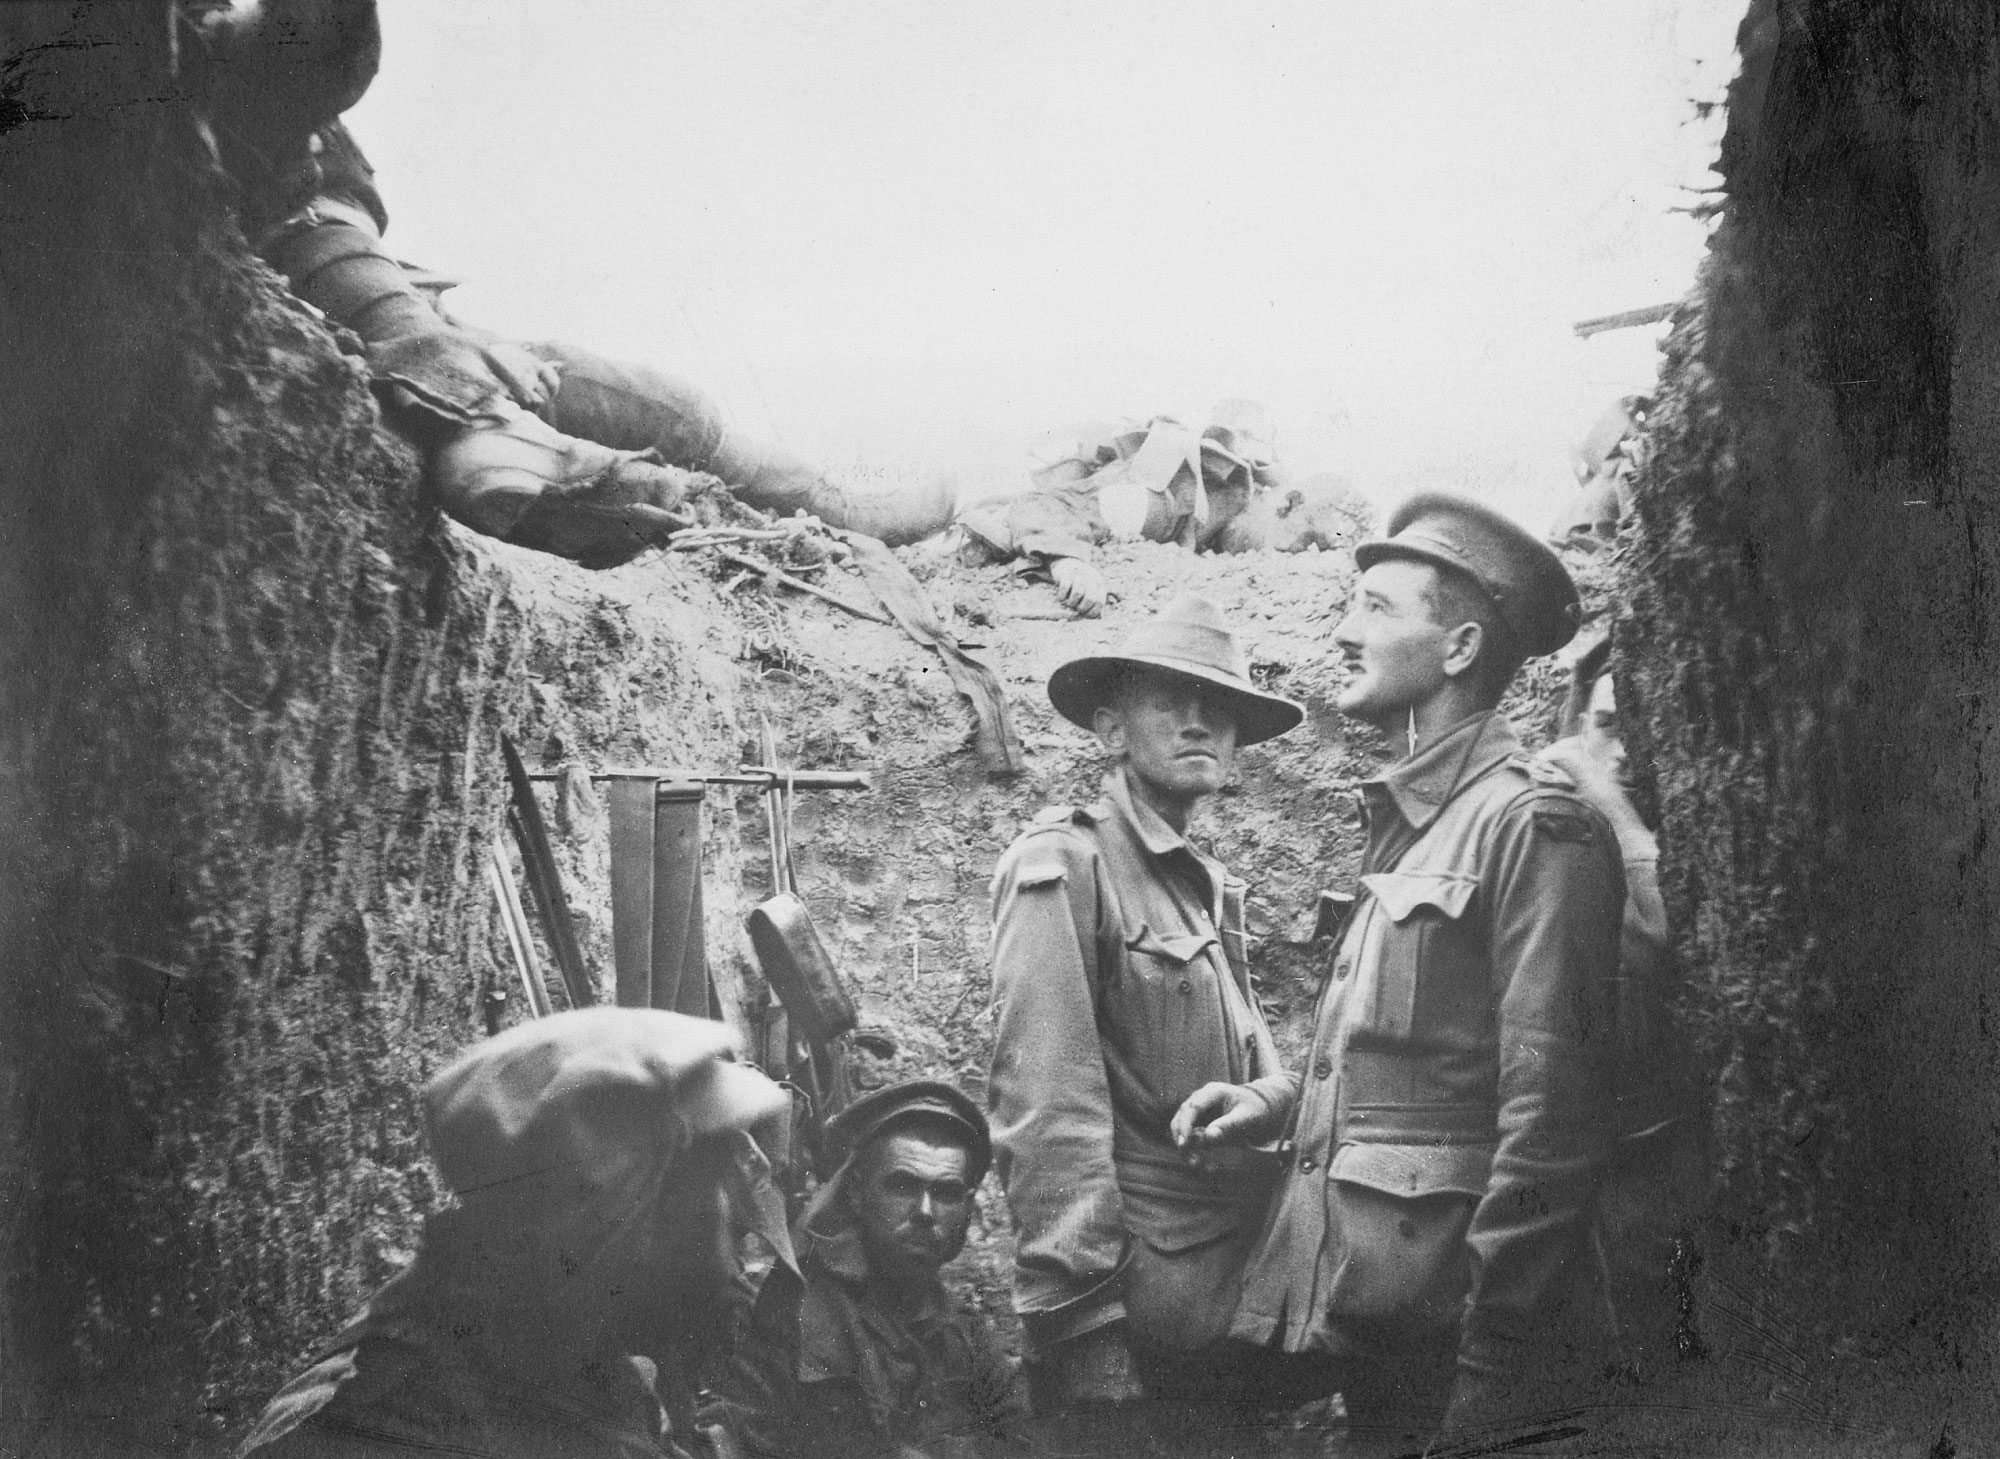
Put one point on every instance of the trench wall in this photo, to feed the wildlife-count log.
(249, 774)
(1810, 625)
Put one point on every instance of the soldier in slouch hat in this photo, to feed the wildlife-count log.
(1121, 987)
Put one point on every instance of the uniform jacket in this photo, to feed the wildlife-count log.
(1455, 1106)
(1121, 987)
(404, 1378)
(829, 1369)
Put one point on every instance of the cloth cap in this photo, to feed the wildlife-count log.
(589, 1095)
(1527, 582)
(1188, 637)
(876, 1112)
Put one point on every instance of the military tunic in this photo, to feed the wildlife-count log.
(833, 1369)
(410, 1377)
(1121, 987)
(1455, 1108)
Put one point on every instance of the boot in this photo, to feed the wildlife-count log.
(523, 481)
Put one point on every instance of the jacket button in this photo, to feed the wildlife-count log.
(1323, 1069)
(1186, 986)
(1340, 969)
(1306, 1165)
(1407, 1226)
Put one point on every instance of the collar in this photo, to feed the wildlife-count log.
(828, 1240)
(1148, 826)
(1423, 785)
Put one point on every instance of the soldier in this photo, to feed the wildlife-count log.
(873, 1356)
(1651, 1190)
(1163, 482)
(1455, 1106)
(607, 1189)
(542, 444)
(1121, 987)
(1604, 463)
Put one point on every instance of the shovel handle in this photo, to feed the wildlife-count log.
(809, 779)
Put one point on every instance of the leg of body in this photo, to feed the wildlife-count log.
(637, 408)
(631, 408)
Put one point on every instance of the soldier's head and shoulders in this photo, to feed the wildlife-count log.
(869, 1322)
(1171, 704)
(606, 1180)
(1452, 601)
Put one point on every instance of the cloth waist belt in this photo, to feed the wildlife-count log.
(1243, 1178)
(1418, 1124)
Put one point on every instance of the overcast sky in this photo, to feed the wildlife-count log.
(909, 235)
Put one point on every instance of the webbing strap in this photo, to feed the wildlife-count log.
(631, 805)
(679, 976)
(657, 940)
(999, 747)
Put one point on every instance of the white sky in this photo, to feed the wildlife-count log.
(910, 235)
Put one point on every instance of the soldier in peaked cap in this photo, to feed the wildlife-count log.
(1455, 1102)
(874, 1356)
(1121, 987)
(606, 1185)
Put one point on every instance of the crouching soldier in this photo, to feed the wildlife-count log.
(607, 1188)
(872, 1356)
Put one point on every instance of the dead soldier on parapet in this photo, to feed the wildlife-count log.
(543, 444)
(872, 1357)
(1217, 490)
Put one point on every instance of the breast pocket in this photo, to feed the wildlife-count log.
(1411, 909)
(1172, 1013)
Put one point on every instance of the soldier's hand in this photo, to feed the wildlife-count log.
(1219, 1114)
(1594, 779)
(1079, 586)
(531, 380)
(1098, 1368)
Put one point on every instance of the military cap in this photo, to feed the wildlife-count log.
(1527, 582)
(876, 1112)
(1189, 637)
(589, 1095)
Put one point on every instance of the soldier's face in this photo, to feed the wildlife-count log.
(911, 1197)
(1600, 733)
(1392, 648)
(1177, 734)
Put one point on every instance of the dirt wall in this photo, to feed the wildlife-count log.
(1810, 626)
(250, 767)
